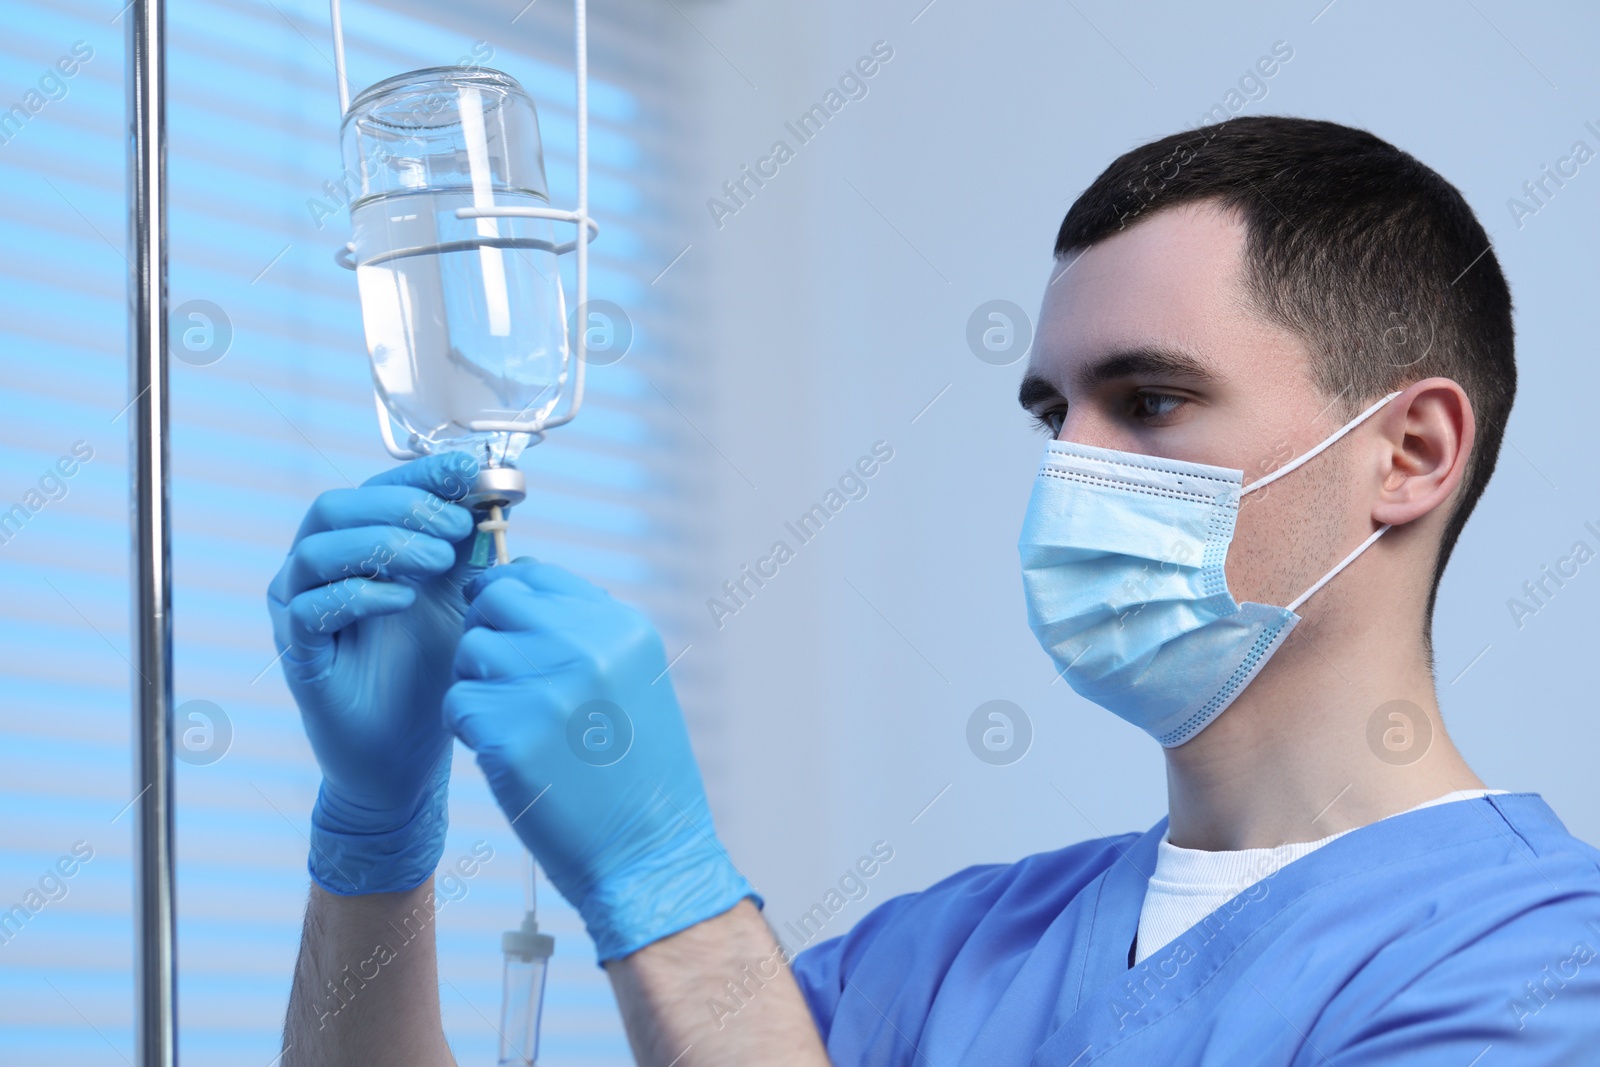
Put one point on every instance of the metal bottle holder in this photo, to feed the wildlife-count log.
(505, 485)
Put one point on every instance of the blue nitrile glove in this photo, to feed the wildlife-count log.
(367, 611)
(563, 693)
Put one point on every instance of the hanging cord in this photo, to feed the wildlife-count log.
(338, 58)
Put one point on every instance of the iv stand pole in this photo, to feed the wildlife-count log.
(155, 973)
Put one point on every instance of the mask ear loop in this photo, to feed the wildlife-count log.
(1326, 578)
(1315, 452)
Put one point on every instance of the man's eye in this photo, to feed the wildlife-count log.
(1153, 407)
(1051, 421)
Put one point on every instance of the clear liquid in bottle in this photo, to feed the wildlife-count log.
(473, 330)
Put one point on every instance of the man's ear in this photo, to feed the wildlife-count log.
(1428, 432)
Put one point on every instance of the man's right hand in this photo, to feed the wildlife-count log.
(561, 689)
(366, 613)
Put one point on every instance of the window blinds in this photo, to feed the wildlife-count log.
(271, 405)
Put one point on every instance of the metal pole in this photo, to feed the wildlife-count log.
(155, 973)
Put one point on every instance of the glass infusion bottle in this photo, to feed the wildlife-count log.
(465, 317)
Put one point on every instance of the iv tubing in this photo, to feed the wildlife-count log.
(497, 524)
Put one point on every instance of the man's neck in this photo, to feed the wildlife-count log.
(1338, 731)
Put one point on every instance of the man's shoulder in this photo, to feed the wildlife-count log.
(1490, 857)
(1539, 828)
(939, 920)
(1056, 875)
(1482, 887)
(1530, 870)
(1484, 938)
(1520, 844)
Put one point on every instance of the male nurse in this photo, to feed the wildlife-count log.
(1275, 363)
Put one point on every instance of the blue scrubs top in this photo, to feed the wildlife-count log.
(1466, 935)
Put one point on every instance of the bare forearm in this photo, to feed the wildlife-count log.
(366, 985)
(717, 993)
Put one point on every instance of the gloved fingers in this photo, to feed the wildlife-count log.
(400, 506)
(375, 552)
(538, 576)
(485, 654)
(316, 615)
(469, 710)
(448, 474)
(608, 636)
(510, 605)
(528, 595)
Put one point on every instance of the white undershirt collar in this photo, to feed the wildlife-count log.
(1191, 883)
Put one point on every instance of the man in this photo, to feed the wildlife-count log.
(1275, 359)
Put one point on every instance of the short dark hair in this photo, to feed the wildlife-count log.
(1358, 247)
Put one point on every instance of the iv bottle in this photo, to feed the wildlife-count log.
(465, 317)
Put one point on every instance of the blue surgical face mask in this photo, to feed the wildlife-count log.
(1122, 566)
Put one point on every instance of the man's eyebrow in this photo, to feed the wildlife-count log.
(1034, 389)
(1143, 360)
